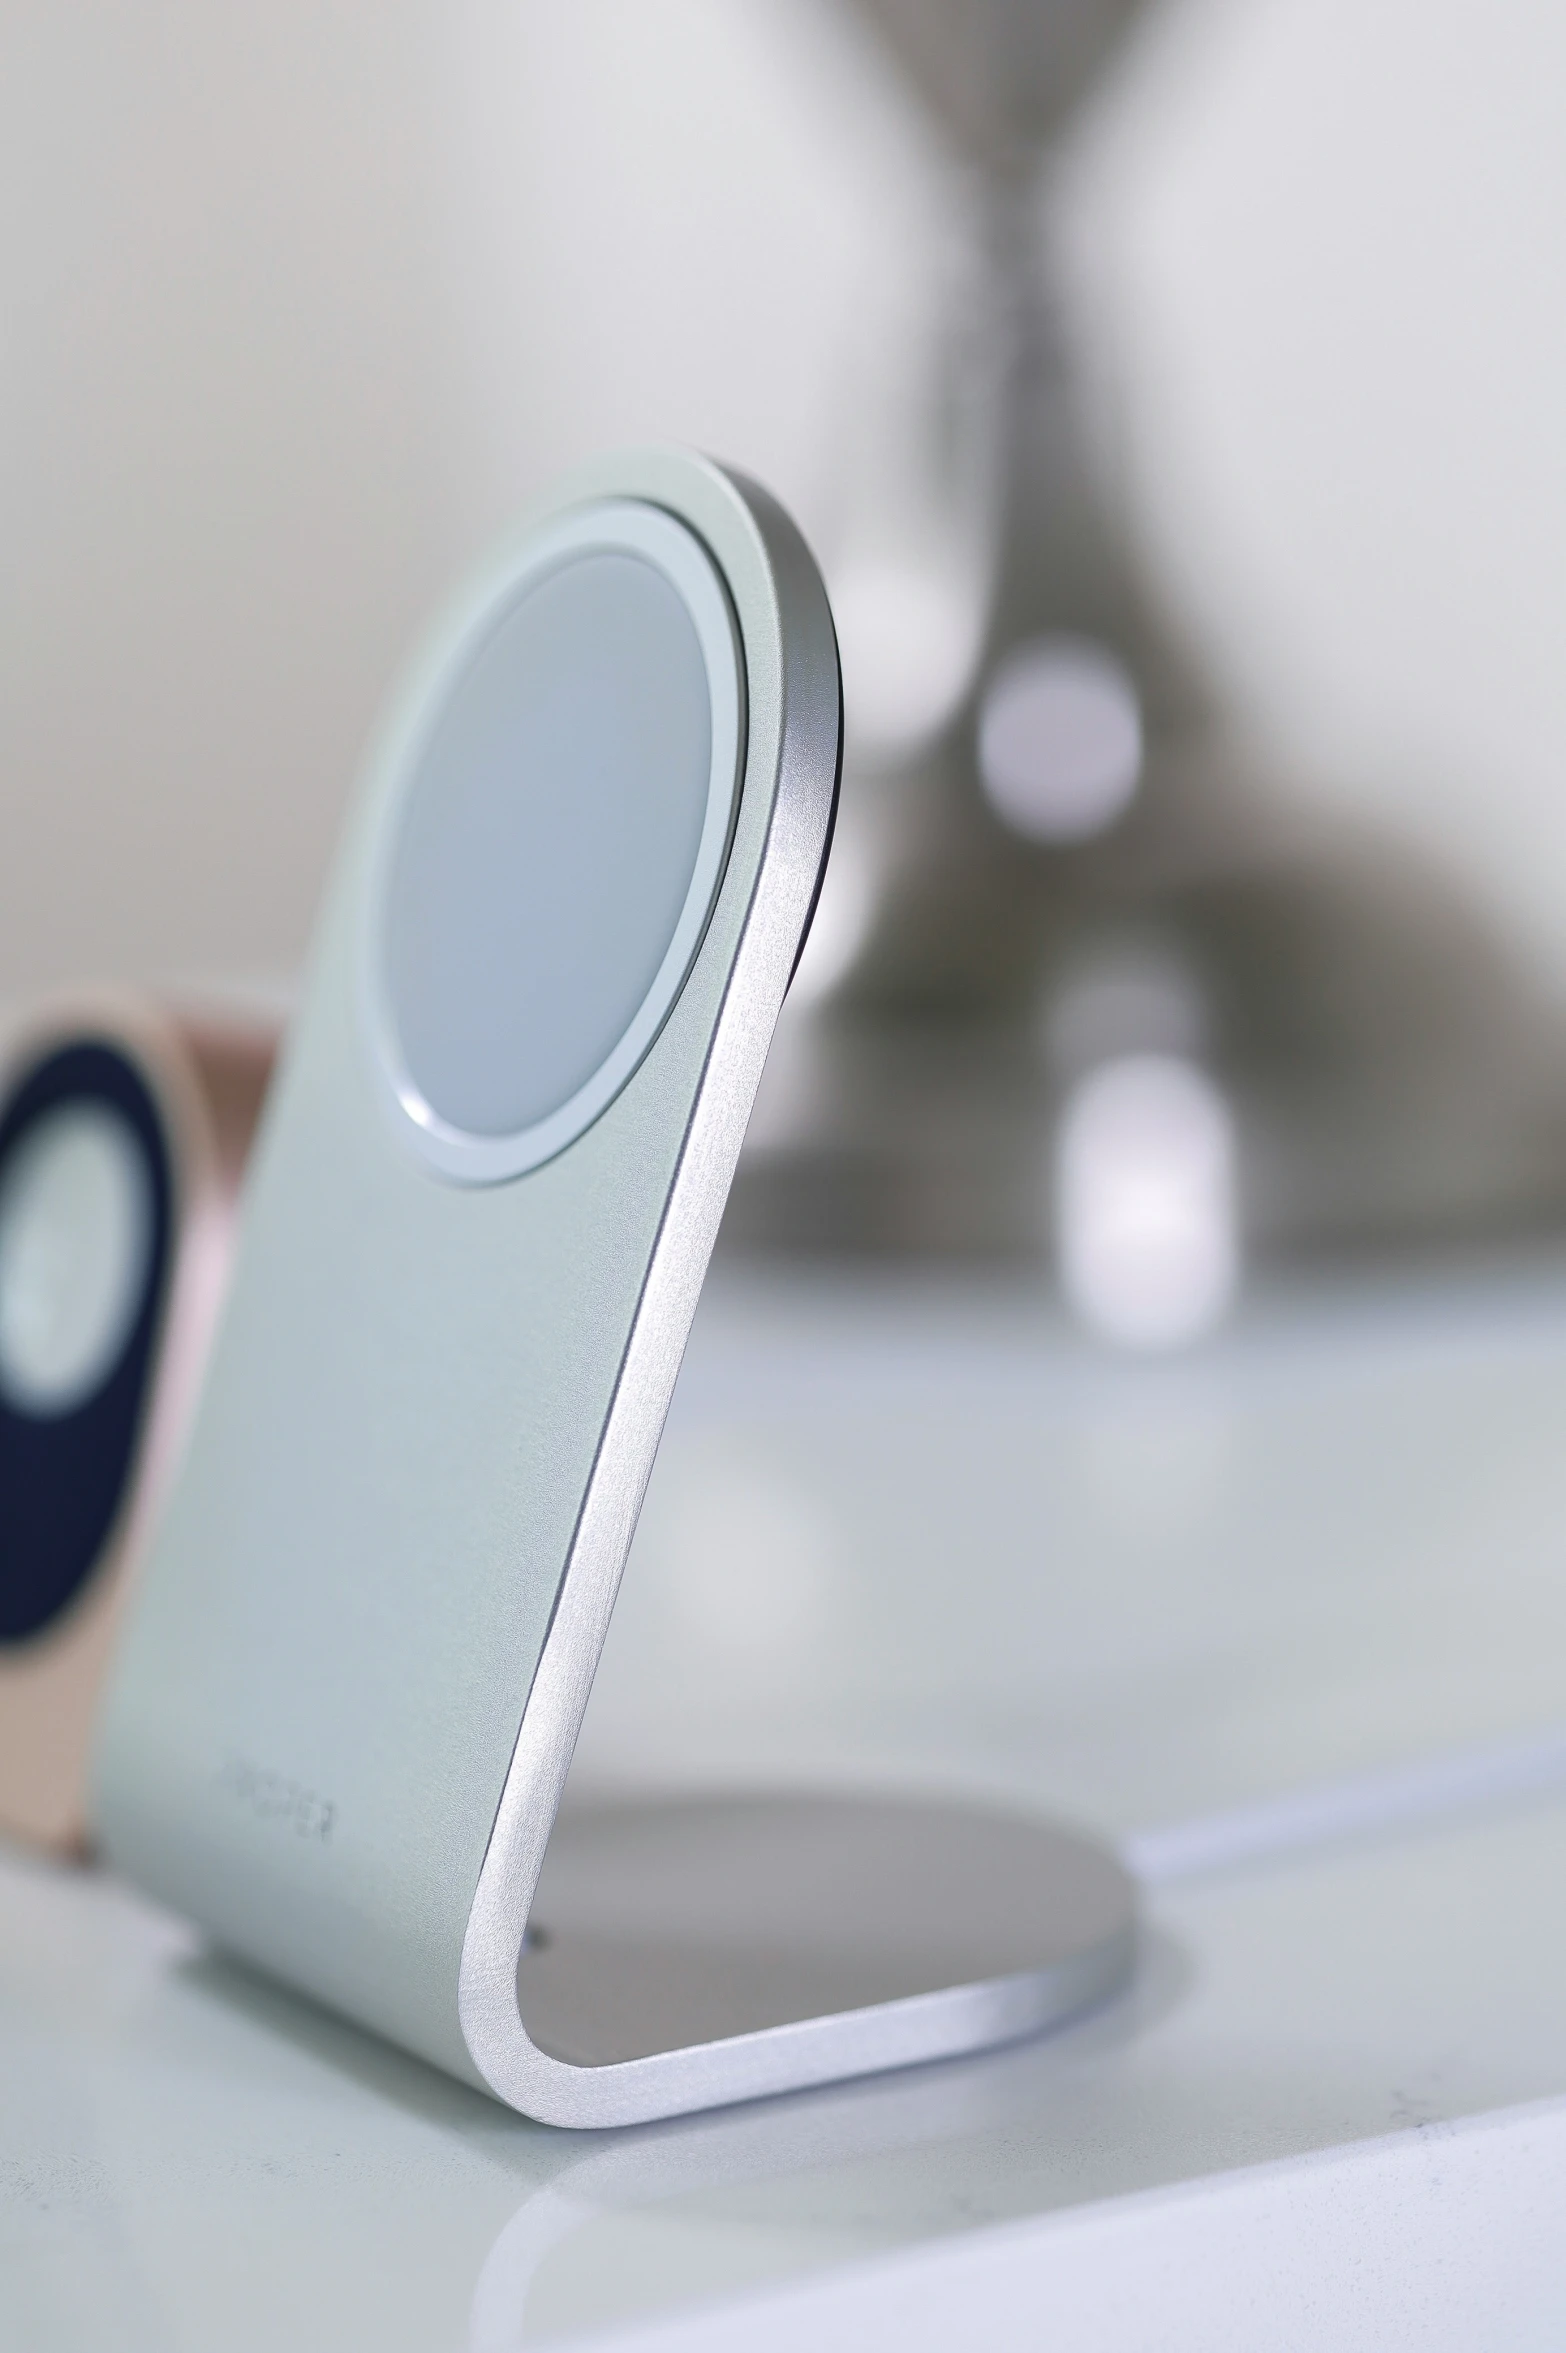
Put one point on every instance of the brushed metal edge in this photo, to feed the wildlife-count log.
(950, 2023)
(793, 752)
(795, 732)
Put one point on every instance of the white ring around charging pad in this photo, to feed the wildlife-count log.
(554, 837)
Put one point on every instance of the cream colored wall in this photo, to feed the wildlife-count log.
(297, 302)
(217, 451)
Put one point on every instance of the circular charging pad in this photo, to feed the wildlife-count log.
(85, 1199)
(555, 838)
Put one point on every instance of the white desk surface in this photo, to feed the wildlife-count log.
(1289, 1616)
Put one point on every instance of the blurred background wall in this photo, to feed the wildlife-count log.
(298, 304)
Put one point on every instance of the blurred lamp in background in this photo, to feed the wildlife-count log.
(1145, 1214)
(1060, 739)
(1040, 768)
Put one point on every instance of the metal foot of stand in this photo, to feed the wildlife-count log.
(716, 1949)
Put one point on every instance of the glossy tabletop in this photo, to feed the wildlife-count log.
(1287, 1617)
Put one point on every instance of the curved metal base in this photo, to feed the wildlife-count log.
(687, 1954)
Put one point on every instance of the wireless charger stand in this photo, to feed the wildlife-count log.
(631, 1962)
(563, 922)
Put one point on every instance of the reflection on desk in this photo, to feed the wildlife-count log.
(1323, 1556)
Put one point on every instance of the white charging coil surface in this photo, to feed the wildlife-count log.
(565, 780)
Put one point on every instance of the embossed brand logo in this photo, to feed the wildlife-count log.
(275, 1797)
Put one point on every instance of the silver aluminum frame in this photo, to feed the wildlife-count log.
(792, 754)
